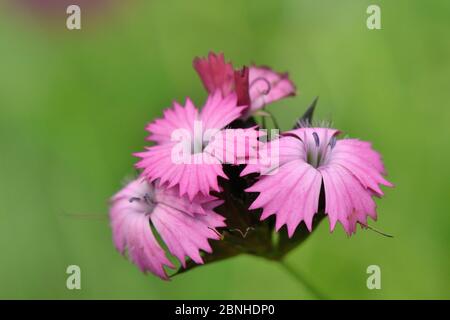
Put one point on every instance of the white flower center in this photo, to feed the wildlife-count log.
(318, 152)
(147, 201)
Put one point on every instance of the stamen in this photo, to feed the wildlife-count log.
(332, 142)
(316, 139)
(269, 86)
(132, 199)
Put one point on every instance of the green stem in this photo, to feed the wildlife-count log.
(274, 120)
(263, 122)
(301, 279)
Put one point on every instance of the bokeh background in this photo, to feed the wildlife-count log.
(73, 106)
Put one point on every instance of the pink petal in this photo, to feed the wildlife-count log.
(362, 161)
(234, 146)
(185, 235)
(292, 194)
(363, 151)
(185, 225)
(175, 118)
(198, 174)
(172, 161)
(275, 153)
(267, 86)
(220, 111)
(346, 199)
(143, 249)
(132, 232)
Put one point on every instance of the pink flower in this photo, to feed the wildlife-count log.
(183, 155)
(349, 169)
(255, 86)
(184, 226)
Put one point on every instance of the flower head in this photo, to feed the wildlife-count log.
(349, 170)
(302, 172)
(182, 156)
(254, 86)
(184, 226)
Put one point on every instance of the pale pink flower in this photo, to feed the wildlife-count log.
(182, 156)
(184, 226)
(255, 86)
(349, 169)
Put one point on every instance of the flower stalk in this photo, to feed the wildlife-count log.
(300, 278)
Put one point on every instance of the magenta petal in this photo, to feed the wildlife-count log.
(215, 73)
(196, 174)
(235, 146)
(220, 111)
(175, 118)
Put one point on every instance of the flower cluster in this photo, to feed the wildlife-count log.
(199, 181)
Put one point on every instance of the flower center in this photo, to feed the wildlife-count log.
(317, 151)
(147, 200)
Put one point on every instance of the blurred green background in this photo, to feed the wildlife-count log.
(73, 106)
